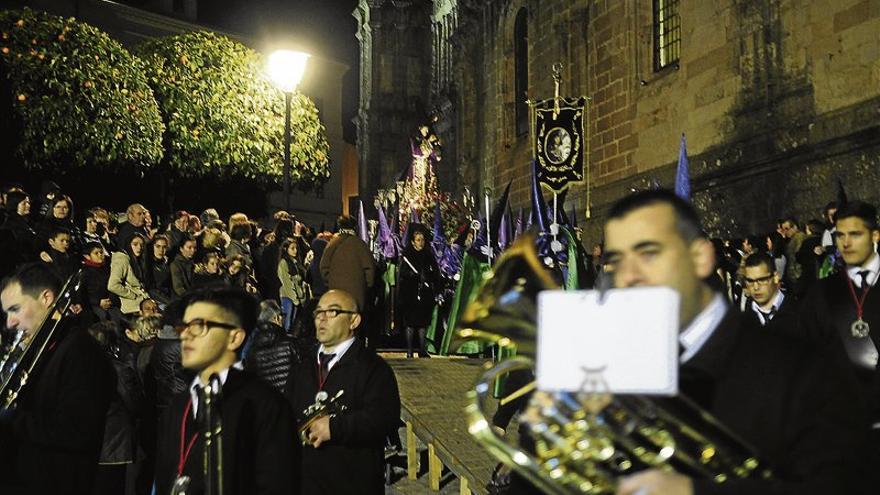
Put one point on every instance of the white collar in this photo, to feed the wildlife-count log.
(873, 266)
(197, 383)
(777, 302)
(701, 327)
(339, 351)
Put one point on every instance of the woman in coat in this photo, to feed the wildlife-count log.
(294, 291)
(417, 289)
(128, 273)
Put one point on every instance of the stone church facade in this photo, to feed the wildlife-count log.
(777, 98)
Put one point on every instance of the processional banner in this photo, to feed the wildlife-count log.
(558, 141)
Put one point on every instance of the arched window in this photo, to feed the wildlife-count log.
(521, 83)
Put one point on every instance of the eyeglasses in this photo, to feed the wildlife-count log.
(758, 281)
(200, 326)
(331, 313)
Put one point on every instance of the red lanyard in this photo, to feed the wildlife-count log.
(184, 454)
(860, 302)
(322, 378)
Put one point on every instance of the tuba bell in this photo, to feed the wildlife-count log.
(585, 441)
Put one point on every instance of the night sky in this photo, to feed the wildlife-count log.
(320, 27)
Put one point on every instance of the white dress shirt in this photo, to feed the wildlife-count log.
(702, 327)
(197, 384)
(340, 350)
(762, 315)
(873, 266)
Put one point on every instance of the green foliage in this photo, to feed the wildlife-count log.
(223, 115)
(78, 96)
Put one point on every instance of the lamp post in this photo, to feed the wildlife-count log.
(286, 69)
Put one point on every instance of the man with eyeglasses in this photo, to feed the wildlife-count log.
(345, 453)
(767, 303)
(258, 434)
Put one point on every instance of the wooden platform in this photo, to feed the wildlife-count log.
(432, 394)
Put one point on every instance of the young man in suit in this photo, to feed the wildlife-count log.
(768, 306)
(807, 421)
(54, 435)
(257, 424)
(346, 452)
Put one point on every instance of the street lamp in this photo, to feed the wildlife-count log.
(286, 70)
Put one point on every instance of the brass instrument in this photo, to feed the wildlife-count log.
(212, 433)
(324, 406)
(22, 358)
(212, 438)
(585, 441)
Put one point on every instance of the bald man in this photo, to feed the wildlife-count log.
(345, 453)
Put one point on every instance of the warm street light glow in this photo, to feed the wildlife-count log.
(286, 68)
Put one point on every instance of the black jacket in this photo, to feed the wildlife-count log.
(419, 277)
(160, 280)
(182, 272)
(797, 406)
(119, 430)
(357, 436)
(17, 243)
(272, 355)
(165, 376)
(57, 429)
(829, 311)
(258, 440)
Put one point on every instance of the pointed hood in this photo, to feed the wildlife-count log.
(363, 231)
(386, 243)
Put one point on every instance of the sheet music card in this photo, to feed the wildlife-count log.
(630, 340)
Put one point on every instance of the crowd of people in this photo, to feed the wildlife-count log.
(778, 338)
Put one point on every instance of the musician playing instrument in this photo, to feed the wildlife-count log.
(346, 454)
(800, 411)
(51, 440)
(257, 423)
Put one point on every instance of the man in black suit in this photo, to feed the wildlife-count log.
(346, 452)
(845, 307)
(54, 435)
(806, 420)
(258, 436)
(767, 305)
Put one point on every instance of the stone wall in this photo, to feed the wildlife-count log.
(777, 98)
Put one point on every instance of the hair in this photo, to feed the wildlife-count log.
(269, 310)
(815, 225)
(180, 214)
(283, 229)
(345, 222)
(233, 299)
(208, 215)
(55, 201)
(202, 266)
(185, 239)
(778, 244)
(687, 223)
(212, 238)
(240, 231)
(13, 199)
(193, 223)
(133, 207)
(282, 253)
(237, 219)
(832, 205)
(144, 301)
(790, 219)
(760, 258)
(160, 237)
(57, 230)
(859, 209)
(90, 245)
(33, 278)
(147, 327)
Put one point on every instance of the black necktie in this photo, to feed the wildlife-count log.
(324, 359)
(200, 406)
(864, 274)
(768, 315)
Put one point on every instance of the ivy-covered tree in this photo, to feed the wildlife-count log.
(74, 97)
(223, 116)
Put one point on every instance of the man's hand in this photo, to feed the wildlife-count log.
(45, 257)
(319, 432)
(76, 309)
(655, 482)
(106, 303)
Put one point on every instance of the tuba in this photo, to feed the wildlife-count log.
(23, 356)
(585, 441)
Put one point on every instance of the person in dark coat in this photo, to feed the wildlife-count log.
(118, 450)
(96, 273)
(59, 216)
(17, 238)
(313, 275)
(272, 350)
(794, 404)
(835, 305)
(267, 264)
(55, 433)
(159, 267)
(767, 306)
(183, 267)
(351, 442)
(258, 429)
(419, 278)
(347, 263)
